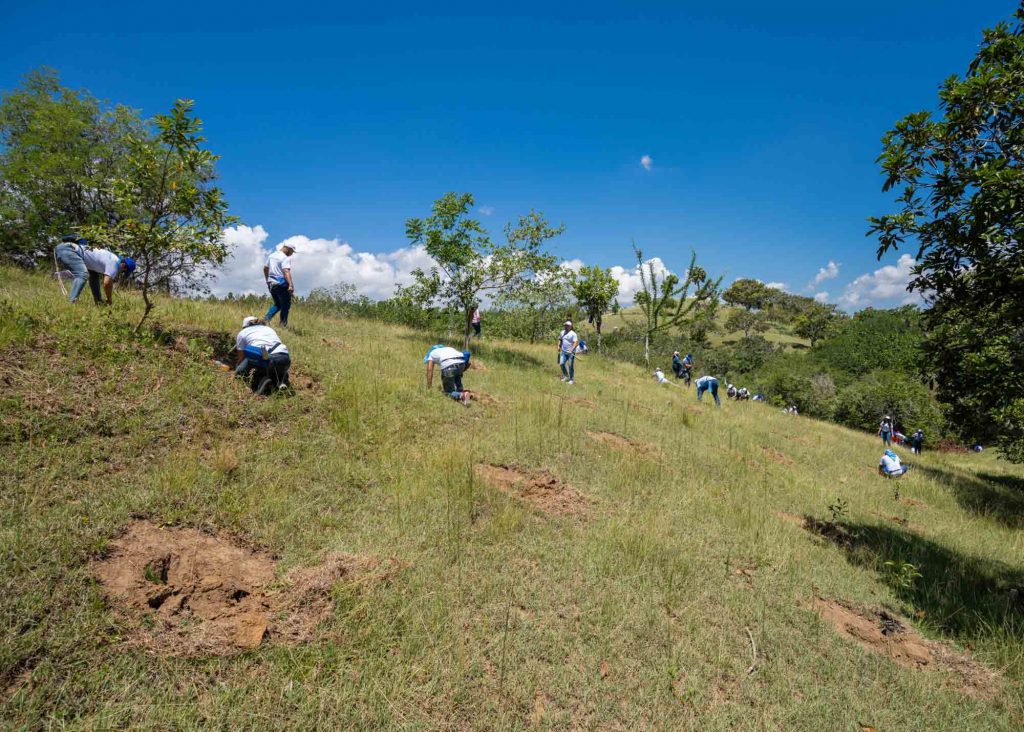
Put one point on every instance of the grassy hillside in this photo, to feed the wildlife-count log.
(675, 588)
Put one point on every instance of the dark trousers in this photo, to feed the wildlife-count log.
(254, 371)
(451, 381)
(282, 303)
(476, 329)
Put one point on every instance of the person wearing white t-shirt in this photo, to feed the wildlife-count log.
(659, 376)
(263, 360)
(453, 364)
(890, 465)
(568, 344)
(278, 272)
(93, 265)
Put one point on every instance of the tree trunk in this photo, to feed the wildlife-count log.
(597, 323)
(647, 349)
(145, 298)
(467, 334)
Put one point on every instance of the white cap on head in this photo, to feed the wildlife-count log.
(569, 323)
(249, 320)
(286, 245)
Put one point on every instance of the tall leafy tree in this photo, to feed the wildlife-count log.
(170, 216)
(960, 177)
(468, 265)
(595, 290)
(666, 300)
(816, 323)
(60, 151)
(749, 294)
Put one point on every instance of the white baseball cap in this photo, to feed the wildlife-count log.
(249, 320)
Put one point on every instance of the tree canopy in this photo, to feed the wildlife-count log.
(959, 174)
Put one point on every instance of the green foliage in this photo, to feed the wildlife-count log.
(539, 308)
(666, 302)
(839, 509)
(749, 294)
(910, 403)
(960, 178)
(876, 339)
(170, 216)
(817, 323)
(467, 264)
(748, 321)
(796, 378)
(60, 151)
(595, 289)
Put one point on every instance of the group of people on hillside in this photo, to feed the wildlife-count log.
(890, 465)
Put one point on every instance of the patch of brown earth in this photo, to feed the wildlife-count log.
(485, 399)
(540, 489)
(905, 523)
(477, 366)
(777, 456)
(882, 632)
(913, 502)
(621, 443)
(581, 402)
(336, 343)
(835, 532)
(744, 574)
(791, 518)
(191, 594)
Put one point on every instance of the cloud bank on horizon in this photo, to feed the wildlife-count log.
(322, 262)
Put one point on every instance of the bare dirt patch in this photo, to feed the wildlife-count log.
(913, 502)
(622, 443)
(791, 518)
(191, 594)
(776, 456)
(905, 523)
(485, 399)
(882, 632)
(540, 489)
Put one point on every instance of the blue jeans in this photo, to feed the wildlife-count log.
(70, 256)
(711, 386)
(886, 438)
(282, 303)
(568, 363)
(451, 381)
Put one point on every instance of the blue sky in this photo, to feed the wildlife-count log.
(336, 124)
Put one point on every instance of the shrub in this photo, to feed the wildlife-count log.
(910, 403)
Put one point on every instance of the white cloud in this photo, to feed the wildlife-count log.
(316, 263)
(647, 162)
(777, 286)
(821, 297)
(829, 272)
(573, 265)
(486, 210)
(882, 286)
(629, 279)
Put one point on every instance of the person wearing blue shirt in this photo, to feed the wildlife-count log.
(708, 383)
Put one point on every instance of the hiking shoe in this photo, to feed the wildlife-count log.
(265, 386)
(571, 382)
(564, 379)
(466, 396)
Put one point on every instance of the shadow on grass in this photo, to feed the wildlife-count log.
(998, 497)
(964, 597)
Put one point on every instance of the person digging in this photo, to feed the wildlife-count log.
(453, 364)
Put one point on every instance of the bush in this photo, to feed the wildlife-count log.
(911, 405)
(796, 378)
(890, 340)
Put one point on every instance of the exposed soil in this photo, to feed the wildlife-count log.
(477, 366)
(777, 456)
(744, 574)
(622, 443)
(187, 593)
(905, 523)
(486, 399)
(581, 402)
(540, 489)
(221, 346)
(913, 502)
(834, 532)
(882, 632)
(791, 518)
(335, 343)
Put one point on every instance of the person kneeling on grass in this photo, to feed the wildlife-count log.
(708, 383)
(263, 360)
(659, 376)
(890, 466)
(453, 364)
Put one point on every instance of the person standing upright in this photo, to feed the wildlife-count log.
(568, 342)
(278, 271)
(885, 430)
(475, 319)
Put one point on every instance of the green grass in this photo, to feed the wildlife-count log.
(502, 618)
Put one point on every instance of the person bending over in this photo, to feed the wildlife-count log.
(890, 466)
(263, 360)
(453, 364)
(708, 383)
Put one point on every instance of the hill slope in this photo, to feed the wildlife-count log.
(605, 556)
